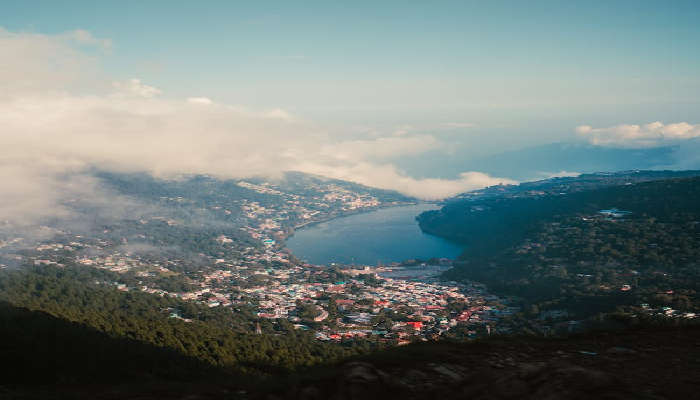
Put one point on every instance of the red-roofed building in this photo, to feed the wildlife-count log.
(417, 325)
(464, 316)
(335, 289)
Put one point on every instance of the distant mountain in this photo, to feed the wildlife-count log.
(535, 162)
(572, 184)
(542, 161)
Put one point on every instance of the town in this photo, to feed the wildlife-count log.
(247, 264)
(243, 262)
(336, 302)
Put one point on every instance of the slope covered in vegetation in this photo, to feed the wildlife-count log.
(217, 336)
(558, 251)
(45, 357)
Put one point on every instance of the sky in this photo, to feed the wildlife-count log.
(378, 61)
(342, 89)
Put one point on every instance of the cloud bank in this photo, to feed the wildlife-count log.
(640, 136)
(61, 115)
(560, 174)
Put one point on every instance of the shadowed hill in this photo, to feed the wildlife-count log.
(48, 357)
(639, 364)
(45, 357)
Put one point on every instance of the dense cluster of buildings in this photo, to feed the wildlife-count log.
(363, 304)
(386, 308)
(267, 277)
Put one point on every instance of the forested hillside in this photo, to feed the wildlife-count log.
(39, 348)
(216, 336)
(45, 357)
(559, 252)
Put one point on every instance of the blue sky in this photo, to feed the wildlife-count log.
(377, 61)
(436, 81)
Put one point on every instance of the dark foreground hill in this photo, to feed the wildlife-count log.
(641, 364)
(44, 357)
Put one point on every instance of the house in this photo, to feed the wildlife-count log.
(417, 325)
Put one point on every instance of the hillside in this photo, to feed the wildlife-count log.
(41, 349)
(559, 253)
(217, 336)
(567, 265)
(45, 357)
(633, 364)
(214, 244)
(497, 216)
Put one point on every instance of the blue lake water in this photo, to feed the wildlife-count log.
(386, 235)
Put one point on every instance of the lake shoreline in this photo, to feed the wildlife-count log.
(393, 236)
(349, 214)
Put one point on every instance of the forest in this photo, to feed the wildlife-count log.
(557, 251)
(217, 336)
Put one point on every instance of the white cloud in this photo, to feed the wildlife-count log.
(280, 114)
(36, 63)
(84, 37)
(134, 87)
(560, 174)
(61, 115)
(387, 176)
(639, 136)
(381, 148)
(199, 100)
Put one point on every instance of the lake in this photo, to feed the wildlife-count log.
(385, 235)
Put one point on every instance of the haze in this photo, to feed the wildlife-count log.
(410, 97)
